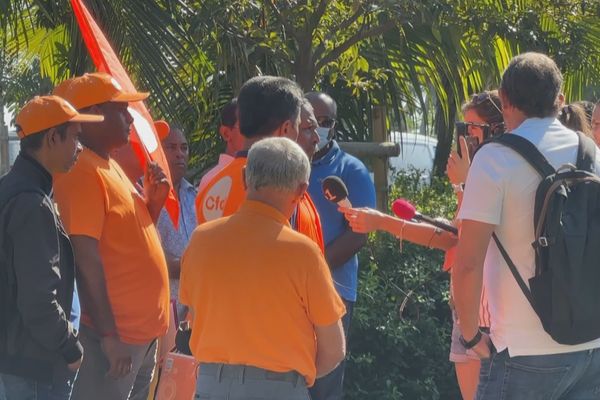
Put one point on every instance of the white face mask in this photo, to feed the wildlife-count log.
(323, 137)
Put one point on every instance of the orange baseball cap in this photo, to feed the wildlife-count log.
(44, 112)
(162, 129)
(95, 88)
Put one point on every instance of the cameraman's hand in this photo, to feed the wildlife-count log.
(118, 356)
(457, 167)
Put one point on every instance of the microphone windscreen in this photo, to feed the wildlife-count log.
(403, 209)
(334, 189)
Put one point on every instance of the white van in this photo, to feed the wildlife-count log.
(416, 152)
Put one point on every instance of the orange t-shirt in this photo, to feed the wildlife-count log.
(225, 192)
(257, 305)
(96, 199)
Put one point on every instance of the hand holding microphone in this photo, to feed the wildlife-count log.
(366, 220)
(361, 220)
(403, 209)
(336, 191)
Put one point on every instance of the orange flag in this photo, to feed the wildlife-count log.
(145, 140)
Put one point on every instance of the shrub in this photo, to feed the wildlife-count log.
(400, 333)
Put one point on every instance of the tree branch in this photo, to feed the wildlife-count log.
(345, 24)
(357, 37)
(253, 42)
(281, 19)
(317, 15)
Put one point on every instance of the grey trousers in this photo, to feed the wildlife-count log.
(92, 383)
(240, 382)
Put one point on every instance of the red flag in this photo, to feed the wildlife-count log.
(145, 140)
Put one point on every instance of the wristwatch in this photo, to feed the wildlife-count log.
(471, 343)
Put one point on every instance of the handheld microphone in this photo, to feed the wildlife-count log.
(405, 210)
(336, 191)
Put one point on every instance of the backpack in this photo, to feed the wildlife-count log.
(565, 290)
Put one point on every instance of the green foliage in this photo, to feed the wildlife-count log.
(400, 333)
(420, 58)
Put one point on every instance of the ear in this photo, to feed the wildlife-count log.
(287, 130)
(244, 178)
(224, 132)
(52, 137)
(283, 128)
(561, 100)
(300, 190)
(503, 99)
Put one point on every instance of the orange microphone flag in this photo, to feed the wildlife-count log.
(145, 141)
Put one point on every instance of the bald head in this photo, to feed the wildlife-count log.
(176, 149)
(324, 106)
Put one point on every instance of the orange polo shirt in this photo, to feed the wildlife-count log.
(257, 305)
(225, 192)
(96, 199)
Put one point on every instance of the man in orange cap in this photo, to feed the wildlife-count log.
(122, 273)
(39, 349)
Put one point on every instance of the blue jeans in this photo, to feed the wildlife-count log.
(569, 376)
(18, 387)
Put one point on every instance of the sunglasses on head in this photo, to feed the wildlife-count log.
(479, 98)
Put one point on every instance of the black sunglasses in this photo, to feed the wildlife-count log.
(462, 128)
(326, 122)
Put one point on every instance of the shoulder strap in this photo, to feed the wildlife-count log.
(586, 153)
(515, 272)
(528, 151)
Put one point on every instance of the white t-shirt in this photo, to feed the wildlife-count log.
(500, 190)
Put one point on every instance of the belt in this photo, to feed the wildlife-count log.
(243, 372)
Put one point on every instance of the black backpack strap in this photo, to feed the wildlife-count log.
(515, 272)
(536, 159)
(528, 151)
(586, 153)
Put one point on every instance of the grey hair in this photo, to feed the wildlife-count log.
(277, 163)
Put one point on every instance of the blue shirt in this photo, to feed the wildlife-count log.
(75, 309)
(174, 241)
(361, 193)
